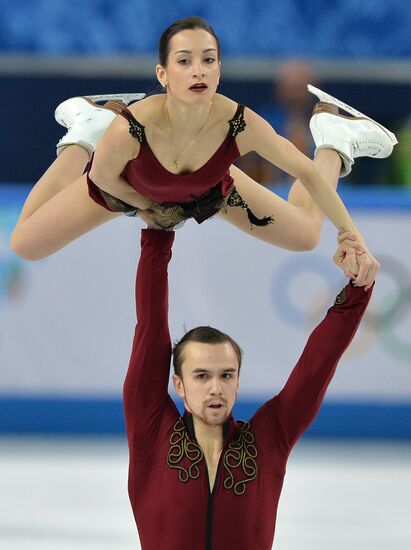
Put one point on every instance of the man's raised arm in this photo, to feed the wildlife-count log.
(145, 388)
(302, 395)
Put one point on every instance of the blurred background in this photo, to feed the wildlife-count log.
(66, 322)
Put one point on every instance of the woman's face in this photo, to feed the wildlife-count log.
(193, 68)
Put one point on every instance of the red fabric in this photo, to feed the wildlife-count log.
(147, 175)
(172, 514)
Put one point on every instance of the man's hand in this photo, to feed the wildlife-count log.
(345, 256)
(368, 270)
(360, 266)
(148, 216)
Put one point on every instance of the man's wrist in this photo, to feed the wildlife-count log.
(157, 234)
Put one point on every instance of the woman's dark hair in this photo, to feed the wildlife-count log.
(189, 23)
(203, 335)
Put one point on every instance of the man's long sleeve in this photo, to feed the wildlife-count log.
(146, 385)
(303, 393)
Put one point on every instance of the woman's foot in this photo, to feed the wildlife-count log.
(353, 135)
(86, 120)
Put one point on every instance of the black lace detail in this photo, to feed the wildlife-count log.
(117, 205)
(136, 130)
(205, 205)
(172, 215)
(239, 461)
(134, 127)
(237, 123)
(235, 199)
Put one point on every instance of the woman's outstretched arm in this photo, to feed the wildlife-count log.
(297, 223)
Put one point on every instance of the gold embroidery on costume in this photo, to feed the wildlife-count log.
(182, 447)
(241, 453)
(340, 299)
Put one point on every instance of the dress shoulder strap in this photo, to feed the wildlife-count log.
(135, 128)
(237, 123)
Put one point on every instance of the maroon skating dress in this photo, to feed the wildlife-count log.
(178, 197)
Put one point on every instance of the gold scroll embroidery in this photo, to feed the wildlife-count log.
(181, 446)
(241, 454)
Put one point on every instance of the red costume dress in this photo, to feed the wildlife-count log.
(168, 479)
(178, 197)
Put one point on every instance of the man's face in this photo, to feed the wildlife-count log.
(209, 383)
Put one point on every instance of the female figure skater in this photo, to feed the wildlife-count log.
(169, 157)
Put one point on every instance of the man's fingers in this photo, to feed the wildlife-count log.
(371, 275)
(347, 262)
(349, 265)
(351, 261)
(368, 270)
(347, 271)
(148, 216)
(339, 256)
(363, 271)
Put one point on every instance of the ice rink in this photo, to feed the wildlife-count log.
(71, 494)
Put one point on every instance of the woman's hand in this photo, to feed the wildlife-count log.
(359, 265)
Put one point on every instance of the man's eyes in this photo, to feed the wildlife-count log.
(226, 376)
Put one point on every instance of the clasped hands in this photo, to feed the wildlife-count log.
(355, 260)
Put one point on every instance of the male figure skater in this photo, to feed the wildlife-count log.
(206, 481)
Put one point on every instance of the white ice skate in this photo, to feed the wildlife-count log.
(86, 120)
(352, 136)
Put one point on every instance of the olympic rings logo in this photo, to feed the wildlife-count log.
(387, 319)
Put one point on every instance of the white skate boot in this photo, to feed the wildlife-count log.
(86, 120)
(352, 136)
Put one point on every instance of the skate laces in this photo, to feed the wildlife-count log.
(366, 148)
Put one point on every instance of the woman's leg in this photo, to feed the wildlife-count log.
(58, 209)
(297, 222)
(67, 168)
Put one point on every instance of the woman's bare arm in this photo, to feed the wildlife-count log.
(114, 150)
(260, 137)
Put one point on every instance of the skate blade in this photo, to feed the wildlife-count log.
(125, 98)
(323, 96)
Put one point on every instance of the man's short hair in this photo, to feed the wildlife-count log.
(202, 335)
